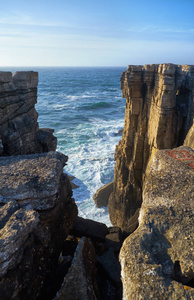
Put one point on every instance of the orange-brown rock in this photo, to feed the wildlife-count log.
(159, 113)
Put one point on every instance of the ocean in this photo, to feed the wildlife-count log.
(84, 106)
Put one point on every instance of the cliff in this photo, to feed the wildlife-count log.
(19, 129)
(37, 210)
(159, 113)
(157, 259)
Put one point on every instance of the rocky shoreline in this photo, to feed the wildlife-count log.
(47, 251)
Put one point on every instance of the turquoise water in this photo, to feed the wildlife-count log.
(86, 109)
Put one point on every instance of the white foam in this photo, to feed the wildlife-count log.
(92, 163)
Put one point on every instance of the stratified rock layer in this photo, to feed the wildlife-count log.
(157, 260)
(19, 130)
(36, 214)
(159, 112)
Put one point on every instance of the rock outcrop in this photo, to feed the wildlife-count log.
(157, 260)
(37, 212)
(159, 113)
(19, 130)
(102, 194)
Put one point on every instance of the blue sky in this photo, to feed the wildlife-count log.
(96, 33)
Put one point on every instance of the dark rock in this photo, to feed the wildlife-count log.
(1, 147)
(89, 228)
(69, 246)
(119, 132)
(114, 238)
(47, 139)
(102, 195)
(110, 263)
(79, 283)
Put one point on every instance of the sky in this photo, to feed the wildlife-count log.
(96, 32)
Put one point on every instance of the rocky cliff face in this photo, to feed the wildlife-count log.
(157, 259)
(37, 210)
(159, 112)
(19, 130)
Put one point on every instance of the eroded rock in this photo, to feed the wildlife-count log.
(19, 129)
(37, 213)
(159, 112)
(157, 259)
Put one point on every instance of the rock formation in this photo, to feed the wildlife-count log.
(189, 141)
(19, 130)
(79, 283)
(102, 195)
(157, 260)
(37, 212)
(159, 113)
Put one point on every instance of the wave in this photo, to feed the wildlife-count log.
(98, 105)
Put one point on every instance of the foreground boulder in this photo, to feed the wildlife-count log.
(157, 260)
(159, 113)
(36, 214)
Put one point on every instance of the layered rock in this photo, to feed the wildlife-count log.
(19, 130)
(159, 112)
(157, 260)
(37, 212)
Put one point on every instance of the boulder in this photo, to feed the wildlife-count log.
(157, 259)
(37, 213)
(79, 283)
(159, 113)
(89, 228)
(102, 195)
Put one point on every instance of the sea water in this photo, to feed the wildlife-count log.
(86, 109)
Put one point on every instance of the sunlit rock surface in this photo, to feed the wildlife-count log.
(157, 260)
(159, 113)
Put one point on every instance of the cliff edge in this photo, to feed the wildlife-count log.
(19, 129)
(159, 113)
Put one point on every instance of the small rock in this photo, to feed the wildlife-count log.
(102, 195)
(89, 228)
